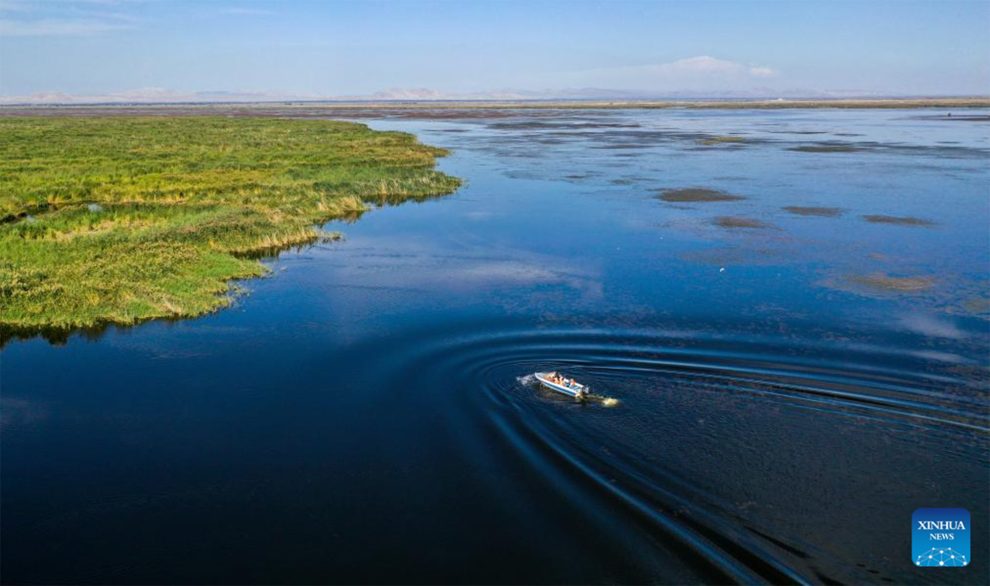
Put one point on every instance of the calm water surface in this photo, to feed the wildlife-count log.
(789, 393)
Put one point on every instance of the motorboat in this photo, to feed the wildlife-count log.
(561, 384)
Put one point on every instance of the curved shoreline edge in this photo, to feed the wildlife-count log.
(121, 220)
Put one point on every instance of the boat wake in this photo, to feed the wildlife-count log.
(603, 400)
(528, 380)
(687, 476)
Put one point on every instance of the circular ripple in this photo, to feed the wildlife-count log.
(708, 428)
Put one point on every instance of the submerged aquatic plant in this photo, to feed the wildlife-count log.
(897, 220)
(739, 222)
(887, 282)
(720, 140)
(696, 194)
(822, 212)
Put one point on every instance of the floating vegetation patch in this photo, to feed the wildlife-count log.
(438, 113)
(822, 212)
(722, 140)
(696, 194)
(898, 220)
(762, 254)
(953, 118)
(977, 305)
(639, 138)
(885, 282)
(937, 151)
(826, 148)
(739, 222)
(557, 125)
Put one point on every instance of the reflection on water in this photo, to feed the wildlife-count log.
(794, 379)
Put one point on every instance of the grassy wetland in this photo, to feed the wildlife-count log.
(122, 219)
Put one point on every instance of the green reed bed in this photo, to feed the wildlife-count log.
(116, 220)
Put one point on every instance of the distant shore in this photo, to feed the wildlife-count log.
(290, 107)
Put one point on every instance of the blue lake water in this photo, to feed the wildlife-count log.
(791, 387)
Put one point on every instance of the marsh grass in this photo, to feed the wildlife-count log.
(722, 140)
(739, 222)
(885, 282)
(822, 212)
(116, 220)
(696, 195)
(826, 148)
(898, 220)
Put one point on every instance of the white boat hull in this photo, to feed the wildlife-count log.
(577, 391)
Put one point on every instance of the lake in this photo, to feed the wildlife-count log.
(799, 364)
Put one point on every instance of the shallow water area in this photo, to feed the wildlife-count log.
(788, 392)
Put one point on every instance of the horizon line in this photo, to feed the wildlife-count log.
(678, 100)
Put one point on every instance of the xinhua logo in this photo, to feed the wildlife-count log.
(940, 538)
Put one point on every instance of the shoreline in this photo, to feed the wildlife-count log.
(280, 108)
(120, 220)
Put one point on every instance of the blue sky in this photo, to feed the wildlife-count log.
(147, 48)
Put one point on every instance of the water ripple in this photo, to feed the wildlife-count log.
(736, 407)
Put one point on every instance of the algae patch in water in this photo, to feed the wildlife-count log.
(897, 220)
(696, 194)
(739, 222)
(886, 282)
(977, 305)
(826, 148)
(814, 211)
(719, 140)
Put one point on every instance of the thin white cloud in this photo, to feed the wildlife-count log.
(702, 65)
(762, 72)
(63, 6)
(60, 27)
(57, 18)
(701, 72)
